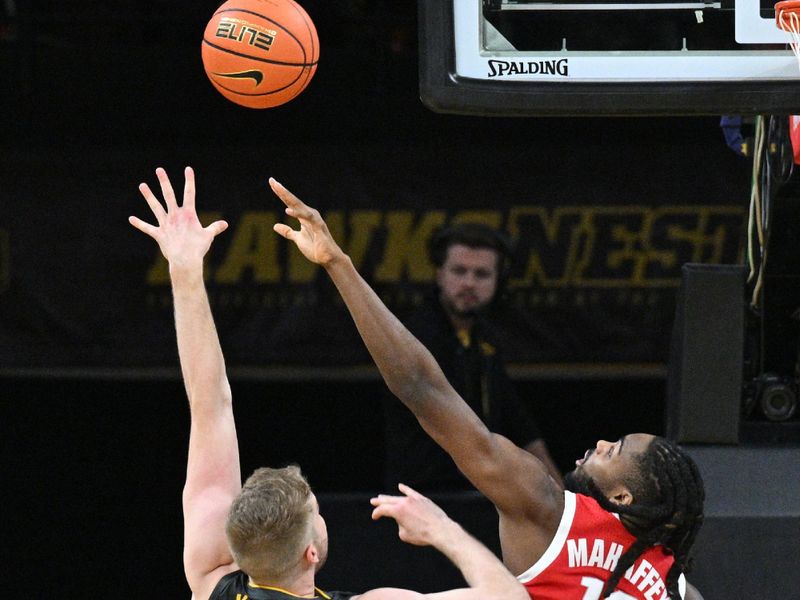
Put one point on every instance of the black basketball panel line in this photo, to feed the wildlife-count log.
(304, 15)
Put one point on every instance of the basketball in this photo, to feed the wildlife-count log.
(260, 53)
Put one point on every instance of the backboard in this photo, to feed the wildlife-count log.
(606, 57)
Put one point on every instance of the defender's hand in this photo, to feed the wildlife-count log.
(182, 239)
(419, 520)
(313, 238)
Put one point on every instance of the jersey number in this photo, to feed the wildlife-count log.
(594, 587)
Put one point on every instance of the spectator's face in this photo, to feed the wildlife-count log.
(467, 280)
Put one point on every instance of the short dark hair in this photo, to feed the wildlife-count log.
(472, 235)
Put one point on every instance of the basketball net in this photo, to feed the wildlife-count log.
(794, 136)
(786, 17)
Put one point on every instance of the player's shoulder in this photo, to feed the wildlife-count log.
(590, 516)
(230, 586)
(236, 585)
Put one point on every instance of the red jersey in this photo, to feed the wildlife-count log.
(584, 552)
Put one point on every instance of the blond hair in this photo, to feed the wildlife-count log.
(270, 523)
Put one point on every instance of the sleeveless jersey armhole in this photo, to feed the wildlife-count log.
(557, 543)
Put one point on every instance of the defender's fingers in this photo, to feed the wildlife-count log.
(217, 227)
(410, 492)
(383, 510)
(384, 499)
(188, 188)
(166, 189)
(143, 227)
(152, 202)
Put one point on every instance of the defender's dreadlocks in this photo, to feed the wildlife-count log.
(667, 510)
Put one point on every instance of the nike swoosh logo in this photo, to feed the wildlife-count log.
(255, 75)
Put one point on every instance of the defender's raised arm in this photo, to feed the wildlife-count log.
(212, 475)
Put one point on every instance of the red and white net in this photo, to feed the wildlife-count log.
(787, 17)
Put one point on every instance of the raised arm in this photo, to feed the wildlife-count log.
(423, 523)
(212, 476)
(513, 479)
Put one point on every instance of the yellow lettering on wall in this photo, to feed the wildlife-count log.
(618, 246)
(623, 246)
(406, 250)
(254, 247)
(551, 240)
(556, 248)
(492, 218)
(363, 224)
(618, 250)
(706, 236)
(636, 249)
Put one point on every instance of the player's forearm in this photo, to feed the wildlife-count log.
(410, 370)
(482, 570)
(406, 365)
(202, 362)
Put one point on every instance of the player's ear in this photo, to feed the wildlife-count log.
(311, 554)
(621, 495)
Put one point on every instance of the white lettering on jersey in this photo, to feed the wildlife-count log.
(643, 575)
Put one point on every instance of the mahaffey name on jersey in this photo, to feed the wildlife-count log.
(642, 574)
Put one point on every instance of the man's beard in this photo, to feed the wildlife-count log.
(578, 482)
(472, 312)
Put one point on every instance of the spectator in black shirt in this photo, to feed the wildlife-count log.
(455, 325)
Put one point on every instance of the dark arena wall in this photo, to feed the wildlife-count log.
(94, 470)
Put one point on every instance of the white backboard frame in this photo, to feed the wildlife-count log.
(473, 60)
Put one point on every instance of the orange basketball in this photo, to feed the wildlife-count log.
(260, 53)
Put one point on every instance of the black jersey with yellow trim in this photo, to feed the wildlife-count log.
(237, 586)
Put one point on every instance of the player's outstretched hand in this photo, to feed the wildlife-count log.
(313, 238)
(181, 237)
(419, 520)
